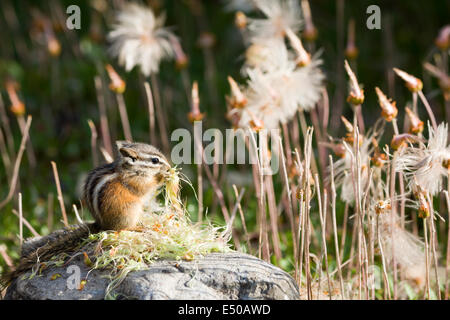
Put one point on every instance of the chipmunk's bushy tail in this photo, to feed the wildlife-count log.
(43, 249)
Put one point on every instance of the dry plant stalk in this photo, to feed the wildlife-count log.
(151, 111)
(104, 126)
(93, 142)
(15, 175)
(60, 196)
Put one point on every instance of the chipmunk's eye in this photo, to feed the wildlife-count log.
(155, 160)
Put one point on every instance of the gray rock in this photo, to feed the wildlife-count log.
(216, 276)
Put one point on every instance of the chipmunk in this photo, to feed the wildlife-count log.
(114, 193)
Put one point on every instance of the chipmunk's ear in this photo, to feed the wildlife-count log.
(125, 150)
(121, 143)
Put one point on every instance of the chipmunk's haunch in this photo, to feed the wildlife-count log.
(114, 193)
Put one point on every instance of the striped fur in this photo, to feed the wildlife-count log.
(115, 193)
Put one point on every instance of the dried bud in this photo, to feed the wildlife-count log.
(206, 40)
(443, 39)
(310, 31)
(350, 138)
(117, 85)
(195, 114)
(389, 110)
(443, 78)
(415, 124)
(53, 46)
(192, 117)
(412, 83)
(382, 206)
(17, 106)
(446, 164)
(339, 150)
(424, 206)
(401, 140)
(351, 51)
(348, 125)
(293, 171)
(255, 123)
(379, 158)
(240, 20)
(303, 57)
(356, 95)
(238, 100)
(444, 83)
(181, 60)
(234, 117)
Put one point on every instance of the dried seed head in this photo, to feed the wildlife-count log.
(415, 124)
(401, 140)
(443, 39)
(412, 83)
(446, 164)
(444, 83)
(117, 85)
(351, 51)
(195, 114)
(379, 158)
(348, 125)
(293, 171)
(234, 118)
(356, 95)
(389, 110)
(350, 136)
(382, 206)
(310, 31)
(238, 100)
(181, 60)
(339, 150)
(424, 206)
(240, 20)
(53, 46)
(17, 106)
(256, 124)
(303, 57)
(443, 78)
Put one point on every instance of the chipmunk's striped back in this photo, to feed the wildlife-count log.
(96, 180)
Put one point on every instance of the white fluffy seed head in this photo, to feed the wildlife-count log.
(139, 39)
(280, 15)
(278, 88)
(424, 164)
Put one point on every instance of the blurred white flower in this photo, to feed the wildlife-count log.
(139, 38)
(343, 170)
(280, 16)
(407, 248)
(426, 163)
(267, 56)
(277, 89)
